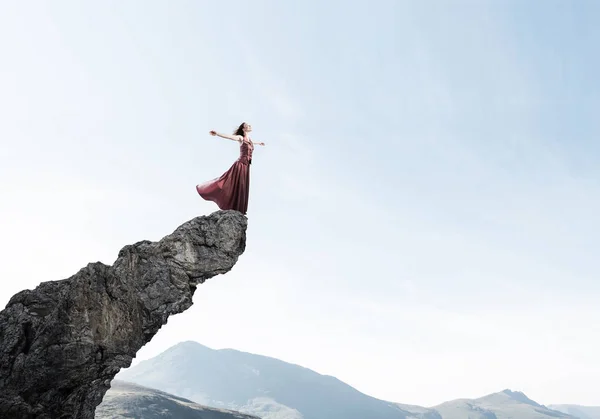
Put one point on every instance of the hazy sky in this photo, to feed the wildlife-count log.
(423, 223)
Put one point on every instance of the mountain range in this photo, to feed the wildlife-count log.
(581, 412)
(506, 404)
(269, 388)
(127, 400)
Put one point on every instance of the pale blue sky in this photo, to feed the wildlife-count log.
(423, 220)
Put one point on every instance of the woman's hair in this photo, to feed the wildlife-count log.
(240, 130)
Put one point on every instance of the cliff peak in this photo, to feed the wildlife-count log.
(62, 343)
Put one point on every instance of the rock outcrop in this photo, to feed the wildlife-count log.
(62, 343)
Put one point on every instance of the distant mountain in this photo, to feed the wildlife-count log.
(254, 384)
(504, 405)
(273, 389)
(582, 412)
(128, 400)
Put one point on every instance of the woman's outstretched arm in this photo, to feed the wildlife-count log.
(254, 142)
(229, 137)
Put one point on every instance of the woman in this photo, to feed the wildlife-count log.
(230, 191)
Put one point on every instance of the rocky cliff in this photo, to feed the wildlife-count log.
(62, 343)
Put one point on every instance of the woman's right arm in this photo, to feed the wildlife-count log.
(229, 137)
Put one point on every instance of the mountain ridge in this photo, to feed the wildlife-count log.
(126, 399)
(233, 379)
(581, 412)
(237, 378)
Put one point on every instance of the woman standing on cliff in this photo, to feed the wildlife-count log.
(231, 190)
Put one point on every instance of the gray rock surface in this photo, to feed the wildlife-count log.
(62, 343)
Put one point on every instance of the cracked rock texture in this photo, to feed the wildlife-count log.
(62, 343)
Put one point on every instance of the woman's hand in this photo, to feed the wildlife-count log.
(261, 143)
(237, 138)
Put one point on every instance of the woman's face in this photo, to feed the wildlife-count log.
(247, 127)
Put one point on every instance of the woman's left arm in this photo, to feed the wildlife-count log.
(257, 143)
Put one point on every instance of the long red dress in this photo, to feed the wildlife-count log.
(231, 189)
